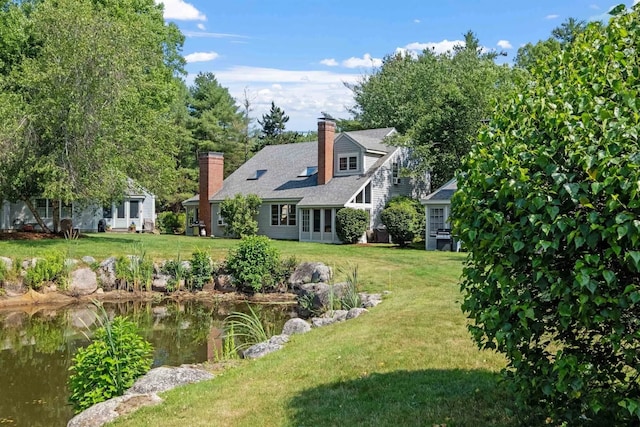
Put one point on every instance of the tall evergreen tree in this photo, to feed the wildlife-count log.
(273, 129)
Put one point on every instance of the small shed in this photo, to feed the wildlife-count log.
(437, 211)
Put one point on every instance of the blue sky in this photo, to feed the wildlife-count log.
(300, 53)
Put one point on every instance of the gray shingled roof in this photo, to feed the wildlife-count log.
(372, 139)
(443, 193)
(285, 162)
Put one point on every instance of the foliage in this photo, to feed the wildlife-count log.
(49, 269)
(421, 219)
(216, 122)
(567, 32)
(239, 214)
(134, 272)
(548, 206)
(254, 264)
(201, 270)
(110, 365)
(273, 128)
(401, 222)
(437, 102)
(244, 329)
(76, 72)
(350, 297)
(351, 224)
(178, 272)
(172, 223)
(3, 271)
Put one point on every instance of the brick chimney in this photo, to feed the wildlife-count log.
(326, 132)
(211, 177)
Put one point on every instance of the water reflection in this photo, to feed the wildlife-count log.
(36, 348)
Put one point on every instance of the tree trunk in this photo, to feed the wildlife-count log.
(36, 215)
(56, 215)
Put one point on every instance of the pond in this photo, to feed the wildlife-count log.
(37, 345)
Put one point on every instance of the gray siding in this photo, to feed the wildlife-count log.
(289, 232)
(343, 146)
(430, 240)
(281, 232)
(383, 189)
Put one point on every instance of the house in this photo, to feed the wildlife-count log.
(437, 210)
(136, 206)
(303, 185)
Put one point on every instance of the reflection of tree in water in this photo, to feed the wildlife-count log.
(36, 350)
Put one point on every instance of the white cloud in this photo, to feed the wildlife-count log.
(443, 46)
(301, 94)
(329, 62)
(504, 44)
(552, 16)
(180, 10)
(201, 27)
(417, 21)
(201, 57)
(596, 7)
(365, 61)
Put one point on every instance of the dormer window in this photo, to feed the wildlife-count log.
(348, 163)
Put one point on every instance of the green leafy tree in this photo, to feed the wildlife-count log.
(560, 36)
(351, 224)
(239, 214)
(87, 88)
(437, 102)
(548, 206)
(217, 122)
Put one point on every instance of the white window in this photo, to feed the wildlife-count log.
(395, 171)
(348, 163)
(436, 220)
(44, 208)
(305, 220)
(283, 214)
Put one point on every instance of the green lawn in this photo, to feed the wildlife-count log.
(409, 362)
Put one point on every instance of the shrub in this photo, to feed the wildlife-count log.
(239, 215)
(110, 364)
(178, 272)
(172, 223)
(49, 269)
(3, 271)
(254, 264)
(548, 206)
(201, 270)
(351, 224)
(418, 208)
(400, 221)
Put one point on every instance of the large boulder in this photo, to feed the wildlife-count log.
(142, 393)
(165, 378)
(83, 318)
(274, 343)
(296, 326)
(88, 259)
(8, 262)
(159, 283)
(224, 283)
(107, 273)
(310, 272)
(84, 281)
(370, 300)
(321, 295)
(105, 412)
(329, 318)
